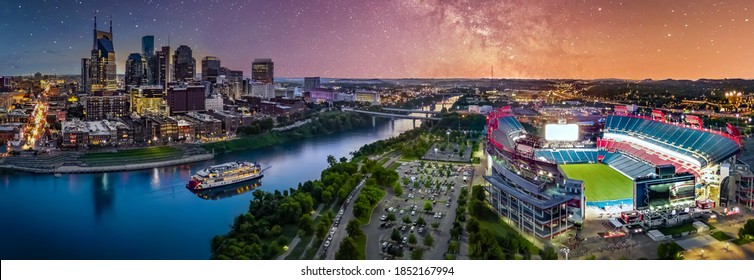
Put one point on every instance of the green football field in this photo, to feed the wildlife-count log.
(601, 181)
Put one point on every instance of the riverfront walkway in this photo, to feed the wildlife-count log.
(106, 160)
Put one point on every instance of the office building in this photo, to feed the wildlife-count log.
(102, 74)
(262, 71)
(161, 67)
(136, 70)
(184, 64)
(210, 69)
(310, 83)
(214, 103)
(183, 99)
(147, 51)
(262, 90)
(85, 83)
(148, 100)
(105, 105)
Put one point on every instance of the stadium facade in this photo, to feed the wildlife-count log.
(675, 170)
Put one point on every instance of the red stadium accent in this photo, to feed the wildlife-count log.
(621, 110)
(658, 115)
(695, 121)
(733, 131)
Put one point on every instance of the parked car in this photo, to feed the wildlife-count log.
(383, 217)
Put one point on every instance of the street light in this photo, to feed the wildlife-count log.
(566, 251)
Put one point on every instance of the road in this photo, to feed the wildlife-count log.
(341, 233)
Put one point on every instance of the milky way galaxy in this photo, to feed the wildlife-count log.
(402, 38)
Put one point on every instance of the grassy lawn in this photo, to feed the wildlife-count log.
(408, 158)
(719, 235)
(394, 166)
(301, 247)
(132, 156)
(677, 229)
(501, 228)
(601, 181)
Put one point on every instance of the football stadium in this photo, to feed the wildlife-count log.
(646, 171)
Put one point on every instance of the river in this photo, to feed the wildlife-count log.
(149, 214)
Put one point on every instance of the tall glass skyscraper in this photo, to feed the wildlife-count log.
(147, 52)
(102, 62)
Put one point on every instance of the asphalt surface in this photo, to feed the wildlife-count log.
(376, 235)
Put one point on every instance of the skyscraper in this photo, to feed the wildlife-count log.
(102, 62)
(147, 52)
(136, 70)
(262, 71)
(161, 67)
(184, 64)
(147, 45)
(85, 82)
(210, 68)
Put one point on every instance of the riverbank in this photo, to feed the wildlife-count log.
(107, 161)
(325, 123)
(111, 168)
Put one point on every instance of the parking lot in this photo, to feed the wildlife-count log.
(426, 208)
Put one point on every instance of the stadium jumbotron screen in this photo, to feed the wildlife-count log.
(562, 132)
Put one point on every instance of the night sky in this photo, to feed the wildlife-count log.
(400, 38)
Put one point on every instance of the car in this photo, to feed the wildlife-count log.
(403, 228)
(447, 204)
(401, 212)
(405, 240)
(421, 230)
(341, 212)
(383, 217)
(391, 209)
(384, 245)
(327, 243)
(412, 228)
(413, 213)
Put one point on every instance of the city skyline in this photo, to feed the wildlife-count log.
(401, 39)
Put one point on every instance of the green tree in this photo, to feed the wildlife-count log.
(435, 225)
(347, 250)
(354, 229)
(305, 224)
(427, 206)
(549, 253)
(421, 221)
(395, 235)
(276, 230)
(417, 254)
(398, 190)
(412, 239)
(391, 217)
(747, 231)
(472, 225)
(331, 160)
(428, 240)
(406, 220)
(323, 228)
